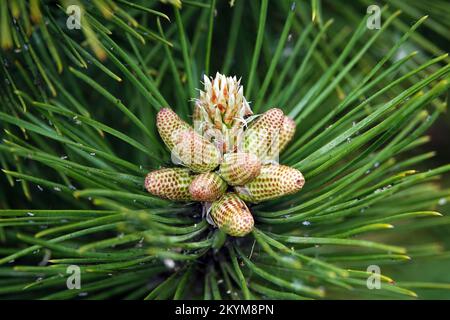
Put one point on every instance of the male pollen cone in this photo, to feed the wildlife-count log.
(263, 134)
(170, 183)
(169, 126)
(207, 187)
(287, 132)
(194, 151)
(273, 182)
(232, 215)
(239, 168)
(285, 135)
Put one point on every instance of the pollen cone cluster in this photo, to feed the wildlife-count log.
(228, 158)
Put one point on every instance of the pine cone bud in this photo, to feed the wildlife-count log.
(195, 152)
(207, 187)
(287, 132)
(262, 136)
(170, 126)
(170, 183)
(187, 146)
(273, 182)
(232, 215)
(239, 168)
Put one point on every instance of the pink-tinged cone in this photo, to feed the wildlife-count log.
(207, 187)
(232, 215)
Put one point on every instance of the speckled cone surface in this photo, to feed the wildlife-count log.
(287, 132)
(262, 136)
(170, 126)
(231, 215)
(195, 152)
(273, 182)
(239, 168)
(207, 187)
(285, 135)
(187, 147)
(170, 183)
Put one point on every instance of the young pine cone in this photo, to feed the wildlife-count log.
(262, 136)
(273, 182)
(170, 183)
(231, 215)
(239, 168)
(186, 146)
(207, 187)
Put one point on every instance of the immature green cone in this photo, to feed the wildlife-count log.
(207, 187)
(287, 132)
(262, 136)
(231, 215)
(195, 152)
(239, 168)
(285, 135)
(170, 126)
(170, 183)
(273, 182)
(187, 146)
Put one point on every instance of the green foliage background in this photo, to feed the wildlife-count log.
(77, 112)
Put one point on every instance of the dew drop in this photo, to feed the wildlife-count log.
(169, 263)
